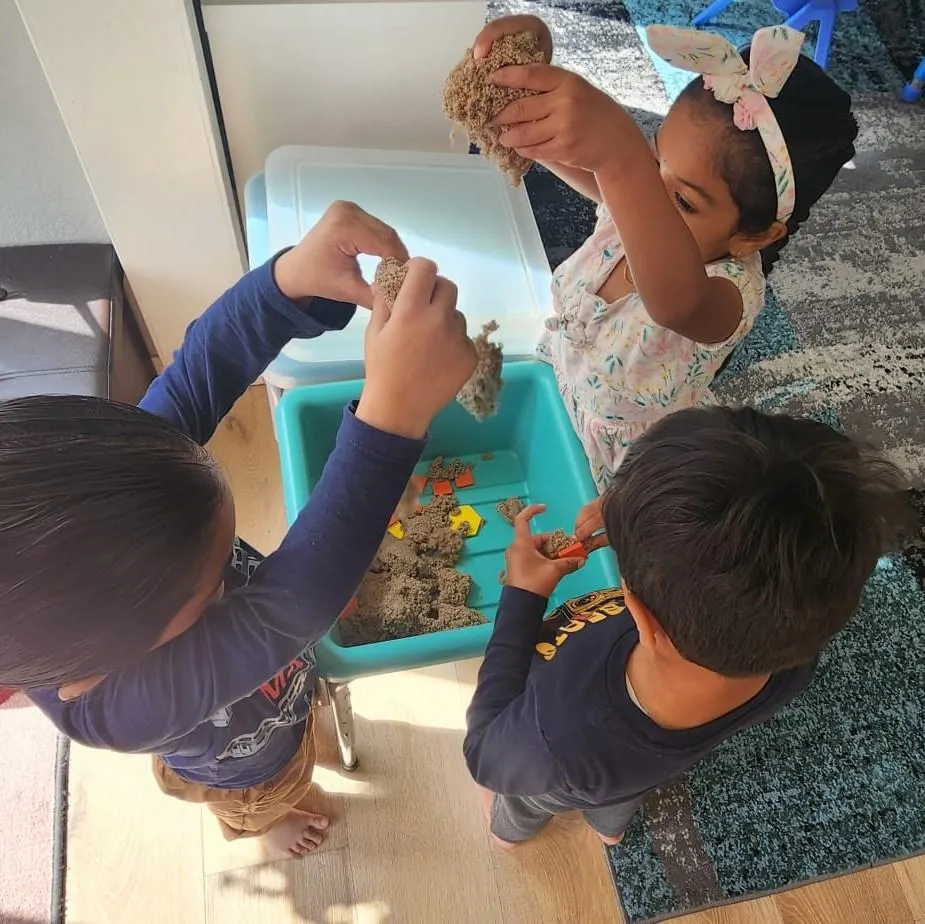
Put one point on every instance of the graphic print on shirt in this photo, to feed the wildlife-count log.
(575, 616)
(222, 718)
(289, 691)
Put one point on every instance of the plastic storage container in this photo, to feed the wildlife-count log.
(455, 209)
(535, 455)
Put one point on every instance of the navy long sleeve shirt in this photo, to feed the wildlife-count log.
(225, 703)
(552, 714)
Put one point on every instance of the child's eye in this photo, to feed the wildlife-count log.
(683, 204)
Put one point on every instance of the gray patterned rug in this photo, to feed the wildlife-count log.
(832, 784)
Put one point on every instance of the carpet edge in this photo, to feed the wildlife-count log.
(58, 910)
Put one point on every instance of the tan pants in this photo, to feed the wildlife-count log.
(255, 810)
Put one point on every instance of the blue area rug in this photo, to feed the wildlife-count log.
(832, 784)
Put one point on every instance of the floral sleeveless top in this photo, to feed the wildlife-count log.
(618, 371)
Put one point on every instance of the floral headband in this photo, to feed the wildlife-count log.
(747, 87)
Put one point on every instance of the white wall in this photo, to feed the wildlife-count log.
(344, 73)
(44, 195)
(129, 80)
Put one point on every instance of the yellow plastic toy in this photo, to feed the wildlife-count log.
(468, 516)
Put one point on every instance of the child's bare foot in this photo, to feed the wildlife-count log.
(610, 841)
(297, 835)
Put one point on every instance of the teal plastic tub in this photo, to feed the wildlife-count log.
(534, 455)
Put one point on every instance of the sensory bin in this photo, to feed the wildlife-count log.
(527, 451)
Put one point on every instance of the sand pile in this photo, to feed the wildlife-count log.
(556, 541)
(511, 508)
(471, 100)
(479, 396)
(446, 471)
(413, 587)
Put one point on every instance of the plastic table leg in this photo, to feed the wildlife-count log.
(339, 695)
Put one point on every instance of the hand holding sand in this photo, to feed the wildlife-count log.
(417, 353)
(512, 25)
(589, 525)
(472, 100)
(481, 393)
(324, 263)
(527, 567)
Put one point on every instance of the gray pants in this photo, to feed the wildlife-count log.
(517, 818)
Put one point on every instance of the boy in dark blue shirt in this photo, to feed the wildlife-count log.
(116, 528)
(744, 542)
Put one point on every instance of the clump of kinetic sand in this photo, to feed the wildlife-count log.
(511, 508)
(412, 587)
(445, 471)
(471, 100)
(390, 274)
(479, 396)
(555, 542)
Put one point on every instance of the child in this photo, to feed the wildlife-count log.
(744, 543)
(116, 527)
(671, 280)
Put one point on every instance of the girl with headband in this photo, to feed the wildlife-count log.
(673, 276)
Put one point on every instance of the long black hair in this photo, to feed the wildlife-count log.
(107, 514)
(815, 118)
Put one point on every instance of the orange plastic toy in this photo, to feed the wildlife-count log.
(465, 479)
(442, 488)
(575, 550)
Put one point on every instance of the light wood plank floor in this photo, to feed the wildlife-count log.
(408, 844)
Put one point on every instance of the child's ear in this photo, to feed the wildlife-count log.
(646, 624)
(72, 690)
(744, 245)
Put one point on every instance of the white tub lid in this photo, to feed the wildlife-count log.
(455, 209)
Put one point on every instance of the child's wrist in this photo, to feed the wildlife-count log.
(390, 416)
(625, 153)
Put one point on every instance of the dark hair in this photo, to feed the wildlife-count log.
(750, 536)
(814, 115)
(106, 515)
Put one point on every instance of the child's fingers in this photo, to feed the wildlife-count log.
(595, 542)
(590, 519)
(376, 238)
(489, 35)
(565, 566)
(539, 77)
(380, 313)
(522, 521)
(529, 135)
(510, 25)
(526, 109)
(417, 291)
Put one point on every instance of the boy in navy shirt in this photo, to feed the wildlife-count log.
(116, 528)
(744, 542)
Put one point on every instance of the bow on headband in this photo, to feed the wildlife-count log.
(747, 87)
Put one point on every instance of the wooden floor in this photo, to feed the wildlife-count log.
(408, 844)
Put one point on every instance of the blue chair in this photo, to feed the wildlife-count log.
(912, 92)
(799, 14)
